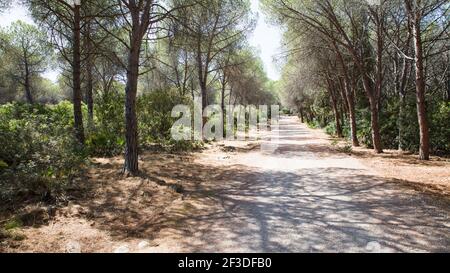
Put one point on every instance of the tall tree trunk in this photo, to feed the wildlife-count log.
(448, 79)
(302, 115)
(348, 96)
(76, 70)
(90, 97)
(337, 116)
(89, 78)
(352, 114)
(402, 103)
(401, 122)
(374, 121)
(375, 124)
(222, 106)
(204, 102)
(27, 85)
(338, 123)
(374, 114)
(416, 18)
(131, 166)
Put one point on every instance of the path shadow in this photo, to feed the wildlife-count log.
(241, 209)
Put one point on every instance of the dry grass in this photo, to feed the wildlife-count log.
(431, 176)
(107, 210)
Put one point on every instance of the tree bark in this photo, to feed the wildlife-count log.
(352, 114)
(335, 109)
(76, 71)
(401, 122)
(374, 114)
(348, 96)
(302, 115)
(447, 98)
(131, 150)
(222, 106)
(27, 85)
(415, 17)
(89, 78)
(420, 95)
(402, 102)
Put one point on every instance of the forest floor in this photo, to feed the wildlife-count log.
(300, 192)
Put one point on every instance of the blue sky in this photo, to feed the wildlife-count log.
(266, 38)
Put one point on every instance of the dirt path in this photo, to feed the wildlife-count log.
(293, 194)
(301, 197)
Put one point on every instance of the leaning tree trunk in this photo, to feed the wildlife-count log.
(131, 166)
(76, 70)
(350, 87)
(348, 97)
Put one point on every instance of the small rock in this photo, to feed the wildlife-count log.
(122, 249)
(73, 247)
(373, 247)
(143, 244)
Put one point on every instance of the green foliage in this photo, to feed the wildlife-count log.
(440, 129)
(346, 149)
(364, 127)
(183, 146)
(154, 115)
(38, 148)
(155, 122)
(13, 223)
(3, 165)
(108, 136)
(314, 124)
(331, 128)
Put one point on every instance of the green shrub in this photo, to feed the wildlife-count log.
(154, 115)
(13, 223)
(347, 148)
(440, 129)
(108, 136)
(154, 123)
(38, 148)
(331, 128)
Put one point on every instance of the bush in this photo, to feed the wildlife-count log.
(154, 123)
(440, 129)
(39, 153)
(330, 129)
(108, 136)
(154, 115)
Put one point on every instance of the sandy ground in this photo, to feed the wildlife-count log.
(428, 176)
(294, 193)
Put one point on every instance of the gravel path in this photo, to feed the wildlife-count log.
(303, 197)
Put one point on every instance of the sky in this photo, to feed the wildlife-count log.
(266, 38)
